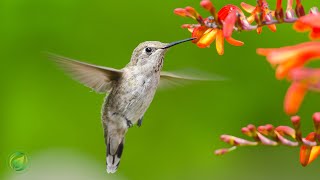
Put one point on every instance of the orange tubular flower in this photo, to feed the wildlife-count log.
(294, 97)
(289, 62)
(308, 76)
(310, 153)
(304, 80)
(270, 135)
(260, 13)
(217, 34)
(206, 36)
(221, 24)
(309, 22)
(217, 27)
(287, 58)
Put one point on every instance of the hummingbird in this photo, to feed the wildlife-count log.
(129, 90)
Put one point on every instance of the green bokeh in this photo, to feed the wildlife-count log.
(41, 108)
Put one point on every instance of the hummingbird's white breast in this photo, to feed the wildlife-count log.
(132, 96)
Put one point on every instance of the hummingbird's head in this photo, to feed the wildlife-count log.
(152, 52)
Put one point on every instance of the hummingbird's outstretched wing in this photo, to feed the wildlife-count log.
(98, 78)
(169, 79)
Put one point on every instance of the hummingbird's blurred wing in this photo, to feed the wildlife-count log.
(98, 78)
(170, 79)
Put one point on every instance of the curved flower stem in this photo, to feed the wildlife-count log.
(270, 136)
(261, 17)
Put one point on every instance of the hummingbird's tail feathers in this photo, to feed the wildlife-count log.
(113, 158)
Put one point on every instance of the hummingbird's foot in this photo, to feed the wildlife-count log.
(140, 122)
(129, 123)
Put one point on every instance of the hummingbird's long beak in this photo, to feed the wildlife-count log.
(177, 42)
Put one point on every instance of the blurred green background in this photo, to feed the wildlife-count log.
(42, 110)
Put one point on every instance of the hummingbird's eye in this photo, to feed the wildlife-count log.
(148, 49)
